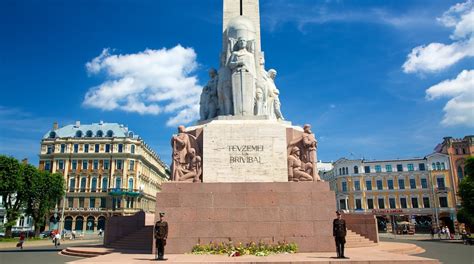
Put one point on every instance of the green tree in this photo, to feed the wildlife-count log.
(44, 192)
(466, 192)
(12, 189)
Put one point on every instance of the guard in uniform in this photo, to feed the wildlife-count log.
(161, 234)
(339, 232)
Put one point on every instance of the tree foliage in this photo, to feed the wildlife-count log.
(12, 189)
(466, 192)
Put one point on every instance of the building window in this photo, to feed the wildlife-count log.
(118, 183)
(83, 184)
(460, 173)
(105, 184)
(378, 168)
(89, 133)
(442, 166)
(421, 166)
(84, 164)
(63, 148)
(440, 182)
(379, 185)
(358, 204)
(340, 171)
(367, 169)
(106, 164)
(72, 184)
(399, 167)
(132, 149)
(79, 133)
(92, 202)
(410, 167)
(107, 148)
(412, 184)
(438, 166)
(130, 184)
(401, 184)
(424, 183)
(94, 184)
(70, 202)
(96, 148)
(381, 202)
(433, 166)
(118, 164)
(74, 165)
(357, 185)
(426, 202)
(388, 168)
(368, 185)
(392, 204)
(390, 184)
(99, 133)
(131, 165)
(76, 148)
(103, 202)
(47, 165)
(414, 202)
(50, 149)
(86, 148)
(356, 170)
(443, 201)
(110, 133)
(342, 204)
(61, 164)
(96, 164)
(120, 148)
(344, 186)
(370, 203)
(81, 202)
(403, 202)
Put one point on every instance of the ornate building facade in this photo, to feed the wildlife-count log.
(108, 170)
(418, 190)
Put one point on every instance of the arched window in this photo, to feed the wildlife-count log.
(83, 184)
(433, 166)
(118, 183)
(110, 133)
(442, 166)
(130, 184)
(99, 133)
(340, 171)
(79, 223)
(72, 184)
(101, 223)
(460, 173)
(130, 134)
(89, 133)
(105, 184)
(52, 134)
(78, 133)
(438, 166)
(68, 223)
(94, 184)
(90, 224)
(356, 170)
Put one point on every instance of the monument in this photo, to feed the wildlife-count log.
(243, 172)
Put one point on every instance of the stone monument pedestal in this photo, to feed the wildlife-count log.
(300, 212)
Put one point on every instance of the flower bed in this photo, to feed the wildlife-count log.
(252, 248)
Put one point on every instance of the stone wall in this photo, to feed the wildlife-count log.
(363, 224)
(300, 212)
(117, 227)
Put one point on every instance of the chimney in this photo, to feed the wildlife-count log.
(78, 123)
(55, 125)
(25, 160)
(101, 122)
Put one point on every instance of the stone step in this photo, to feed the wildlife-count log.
(80, 253)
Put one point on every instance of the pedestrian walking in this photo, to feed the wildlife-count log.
(57, 238)
(161, 234)
(448, 233)
(21, 240)
(100, 232)
(339, 232)
(432, 232)
(73, 234)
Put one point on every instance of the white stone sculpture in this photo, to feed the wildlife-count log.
(209, 101)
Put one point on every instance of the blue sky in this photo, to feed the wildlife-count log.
(376, 79)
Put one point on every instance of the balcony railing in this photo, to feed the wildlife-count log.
(125, 192)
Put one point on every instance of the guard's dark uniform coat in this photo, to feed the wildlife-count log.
(161, 234)
(339, 232)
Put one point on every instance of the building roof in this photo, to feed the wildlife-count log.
(95, 130)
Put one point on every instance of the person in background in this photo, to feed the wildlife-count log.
(100, 232)
(21, 240)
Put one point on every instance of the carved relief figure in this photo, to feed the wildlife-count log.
(186, 163)
(297, 170)
(209, 102)
(241, 59)
(307, 143)
(261, 93)
(224, 89)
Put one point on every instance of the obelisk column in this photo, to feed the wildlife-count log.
(248, 8)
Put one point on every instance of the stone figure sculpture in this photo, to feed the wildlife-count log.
(224, 89)
(209, 100)
(186, 163)
(307, 144)
(273, 96)
(298, 170)
(261, 89)
(242, 65)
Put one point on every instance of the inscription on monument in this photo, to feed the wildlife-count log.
(245, 153)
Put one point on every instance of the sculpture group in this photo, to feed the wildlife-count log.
(240, 87)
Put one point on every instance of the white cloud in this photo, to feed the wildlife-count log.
(460, 108)
(438, 56)
(149, 82)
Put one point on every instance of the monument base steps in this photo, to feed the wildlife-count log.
(141, 240)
